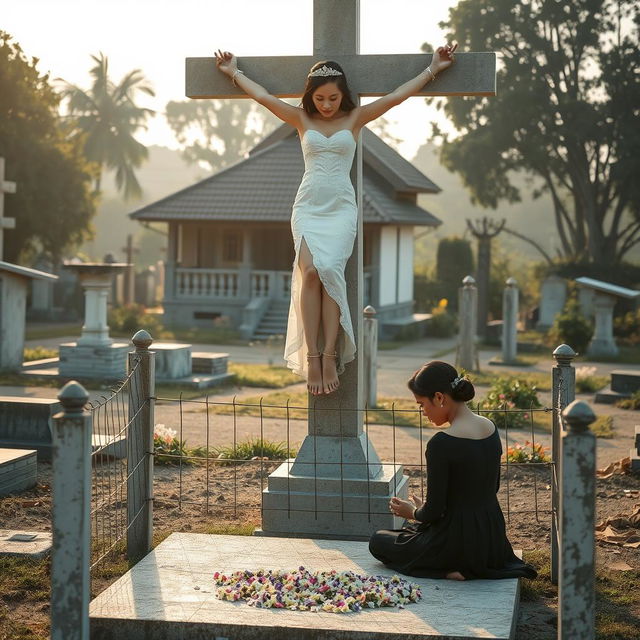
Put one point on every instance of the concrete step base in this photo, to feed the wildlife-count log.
(169, 595)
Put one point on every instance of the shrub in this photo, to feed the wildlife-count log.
(526, 453)
(506, 394)
(454, 261)
(130, 318)
(633, 402)
(587, 381)
(39, 353)
(627, 327)
(571, 327)
(442, 324)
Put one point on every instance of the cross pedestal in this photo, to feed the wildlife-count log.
(337, 485)
(95, 354)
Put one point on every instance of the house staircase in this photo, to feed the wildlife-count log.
(274, 321)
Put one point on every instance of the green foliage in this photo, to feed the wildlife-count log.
(262, 375)
(53, 201)
(105, 119)
(587, 381)
(632, 402)
(253, 449)
(442, 324)
(203, 127)
(510, 394)
(130, 318)
(571, 327)
(627, 327)
(39, 353)
(168, 449)
(568, 118)
(454, 261)
(527, 453)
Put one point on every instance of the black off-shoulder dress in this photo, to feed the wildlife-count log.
(460, 526)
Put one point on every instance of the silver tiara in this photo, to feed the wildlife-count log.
(455, 382)
(324, 71)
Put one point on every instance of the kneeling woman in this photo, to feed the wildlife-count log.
(460, 530)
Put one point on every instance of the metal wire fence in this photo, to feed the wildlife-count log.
(112, 476)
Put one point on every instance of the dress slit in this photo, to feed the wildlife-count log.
(296, 347)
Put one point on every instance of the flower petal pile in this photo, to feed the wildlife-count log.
(304, 590)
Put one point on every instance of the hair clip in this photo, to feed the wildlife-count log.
(455, 381)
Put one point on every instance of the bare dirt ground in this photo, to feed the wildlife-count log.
(197, 498)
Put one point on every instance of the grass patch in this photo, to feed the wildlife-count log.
(632, 402)
(603, 427)
(263, 375)
(248, 450)
(35, 332)
(539, 379)
(627, 355)
(38, 353)
(617, 594)
(228, 529)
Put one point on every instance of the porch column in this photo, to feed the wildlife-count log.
(244, 268)
(170, 264)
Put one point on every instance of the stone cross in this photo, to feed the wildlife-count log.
(335, 426)
(5, 223)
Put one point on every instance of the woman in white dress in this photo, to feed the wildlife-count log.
(324, 217)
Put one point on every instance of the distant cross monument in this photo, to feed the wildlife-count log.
(5, 223)
(303, 497)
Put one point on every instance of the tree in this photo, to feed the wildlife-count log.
(106, 118)
(566, 114)
(53, 204)
(215, 132)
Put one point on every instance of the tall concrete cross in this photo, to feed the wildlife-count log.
(336, 446)
(5, 223)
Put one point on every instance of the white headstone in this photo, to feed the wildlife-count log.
(553, 297)
(5, 223)
(468, 317)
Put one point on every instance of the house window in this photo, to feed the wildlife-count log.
(232, 246)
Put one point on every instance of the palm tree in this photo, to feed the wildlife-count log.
(107, 118)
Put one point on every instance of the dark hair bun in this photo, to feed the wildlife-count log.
(463, 391)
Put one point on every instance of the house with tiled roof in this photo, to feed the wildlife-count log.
(230, 250)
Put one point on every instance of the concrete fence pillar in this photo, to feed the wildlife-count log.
(563, 392)
(370, 356)
(71, 486)
(467, 357)
(576, 591)
(140, 448)
(510, 322)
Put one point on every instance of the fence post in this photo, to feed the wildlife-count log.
(370, 356)
(576, 592)
(563, 392)
(71, 485)
(140, 448)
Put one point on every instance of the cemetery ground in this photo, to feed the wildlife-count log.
(232, 492)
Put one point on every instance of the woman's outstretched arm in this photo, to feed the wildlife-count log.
(228, 64)
(442, 58)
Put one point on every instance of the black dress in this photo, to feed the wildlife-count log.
(460, 526)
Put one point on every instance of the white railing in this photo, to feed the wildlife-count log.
(262, 284)
(206, 283)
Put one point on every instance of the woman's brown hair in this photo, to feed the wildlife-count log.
(313, 82)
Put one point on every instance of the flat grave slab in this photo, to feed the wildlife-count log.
(25, 544)
(18, 470)
(170, 594)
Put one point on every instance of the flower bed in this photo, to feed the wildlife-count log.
(303, 590)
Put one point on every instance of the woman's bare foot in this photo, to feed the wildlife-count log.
(314, 377)
(329, 374)
(455, 575)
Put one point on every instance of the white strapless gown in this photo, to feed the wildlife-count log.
(325, 214)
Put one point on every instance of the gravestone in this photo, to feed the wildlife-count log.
(553, 296)
(510, 322)
(304, 495)
(5, 223)
(604, 300)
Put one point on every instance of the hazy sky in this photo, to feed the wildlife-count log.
(157, 35)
